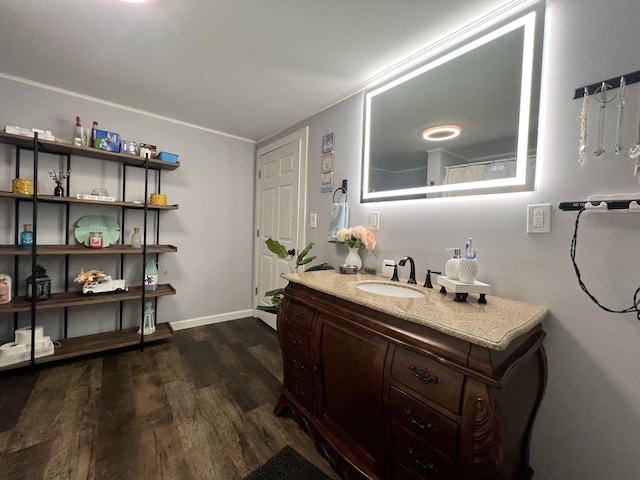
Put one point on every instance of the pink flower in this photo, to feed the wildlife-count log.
(358, 232)
(369, 240)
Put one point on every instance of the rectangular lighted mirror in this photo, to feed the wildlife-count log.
(486, 90)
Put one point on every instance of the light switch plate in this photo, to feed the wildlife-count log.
(313, 220)
(374, 221)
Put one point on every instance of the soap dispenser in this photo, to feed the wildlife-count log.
(451, 267)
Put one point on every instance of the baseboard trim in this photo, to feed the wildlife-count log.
(211, 319)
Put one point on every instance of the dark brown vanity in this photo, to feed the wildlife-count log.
(385, 395)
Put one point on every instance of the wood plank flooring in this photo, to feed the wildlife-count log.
(198, 406)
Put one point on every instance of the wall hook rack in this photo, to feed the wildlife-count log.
(620, 203)
(629, 78)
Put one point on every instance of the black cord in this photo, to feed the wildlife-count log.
(636, 295)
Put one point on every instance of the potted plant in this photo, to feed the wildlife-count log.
(302, 259)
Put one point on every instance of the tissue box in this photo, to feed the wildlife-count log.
(127, 146)
(105, 140)
(168, 157)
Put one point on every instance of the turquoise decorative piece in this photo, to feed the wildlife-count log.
(97, 223)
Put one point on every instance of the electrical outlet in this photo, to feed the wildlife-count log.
(313, 220)
(374, 221)
(539, 218)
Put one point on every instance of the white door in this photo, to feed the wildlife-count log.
(280, 210)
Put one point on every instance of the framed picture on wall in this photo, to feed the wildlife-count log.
(326, 182)
(327, 143)
(326, 163)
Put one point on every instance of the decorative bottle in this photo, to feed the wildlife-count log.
(451, 267)
(26, 237)
(136, 238)
(150, 275)
(78, 133)
(93, 134)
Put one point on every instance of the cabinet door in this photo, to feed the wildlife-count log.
(351, 370)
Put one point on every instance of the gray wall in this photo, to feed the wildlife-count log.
(589, 423)
(213, 228)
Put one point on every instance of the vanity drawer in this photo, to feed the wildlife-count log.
(423, 421)
(299, 315)
(418, 457)
(297, 340)
(300, 366)
(428, 377)
(301, 391)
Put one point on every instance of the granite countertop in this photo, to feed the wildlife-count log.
(493, 325)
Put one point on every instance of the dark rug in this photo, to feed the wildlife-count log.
(287, 464)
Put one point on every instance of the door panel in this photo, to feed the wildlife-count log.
(280, 194)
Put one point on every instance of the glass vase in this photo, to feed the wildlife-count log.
(353, 258)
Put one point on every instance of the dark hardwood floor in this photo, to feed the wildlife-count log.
(197, 406)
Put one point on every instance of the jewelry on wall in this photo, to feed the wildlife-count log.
(619, 119)
(582, 149)
(602, 92)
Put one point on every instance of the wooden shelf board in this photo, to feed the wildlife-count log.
(82, 250)
(99, 342)
(63, 200)
(74, 299)
(56, 148)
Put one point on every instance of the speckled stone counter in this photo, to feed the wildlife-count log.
(492, 325)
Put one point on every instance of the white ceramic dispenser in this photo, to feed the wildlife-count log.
(451, 267)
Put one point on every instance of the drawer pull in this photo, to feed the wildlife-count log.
(424, 375)
(298, 314)
(295, 340)
(298, 365)
(417, 420)
(422, 462)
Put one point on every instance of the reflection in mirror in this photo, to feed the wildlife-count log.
(484, 93)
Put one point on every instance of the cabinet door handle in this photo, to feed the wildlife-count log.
(424, 375)
(295, 340)
(422, 462)
(417, 420)
(298, 314)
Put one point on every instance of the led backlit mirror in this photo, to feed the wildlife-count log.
(484, 94)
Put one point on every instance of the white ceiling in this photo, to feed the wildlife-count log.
(246, 68)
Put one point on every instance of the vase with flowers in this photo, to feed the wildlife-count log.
(59, 177)
(356, 238)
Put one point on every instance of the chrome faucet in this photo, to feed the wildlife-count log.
(412, 275)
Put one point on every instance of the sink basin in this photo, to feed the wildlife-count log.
(390, 290)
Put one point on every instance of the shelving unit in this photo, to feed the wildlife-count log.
(87, 344)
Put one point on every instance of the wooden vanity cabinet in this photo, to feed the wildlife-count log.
(392, 399)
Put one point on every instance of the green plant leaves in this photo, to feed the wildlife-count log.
(277, 248)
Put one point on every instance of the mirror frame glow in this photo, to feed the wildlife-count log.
(528, 23)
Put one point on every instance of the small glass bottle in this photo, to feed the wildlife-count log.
(26, 237)
(78, 133)
(93, 134)
(95, 240)
(136, 238)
